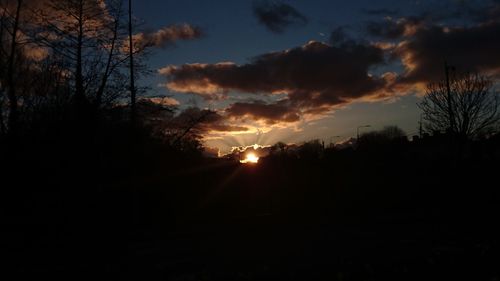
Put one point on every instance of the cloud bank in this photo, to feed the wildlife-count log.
(314, 78)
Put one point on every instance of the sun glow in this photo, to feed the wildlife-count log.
(250, 158)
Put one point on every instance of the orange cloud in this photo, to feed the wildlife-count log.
(313, 78)
(165, 101)
(166, 36)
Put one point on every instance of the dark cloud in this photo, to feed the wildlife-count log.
(211, 152)
(445, 13)
(204, 121)
(394, 28)
(463, 33)
(271, 113)
(219, 123)
(380, 12)
(469, 49)
(339, 37)
(277, 16)
(314, 78)
(190, 121)
(478, 11)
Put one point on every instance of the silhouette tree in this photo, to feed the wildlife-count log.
(114, 60)
(392, 132)
(9, 55)
(279, 148)
(3, 21)
(311, 150)
(187, 124)
(86, 36)
(465, 106)
(133, 93)
(28, 73)
(377, 139)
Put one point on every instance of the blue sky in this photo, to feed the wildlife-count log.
(232, 33)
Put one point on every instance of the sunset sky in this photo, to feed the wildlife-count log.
(297, 70)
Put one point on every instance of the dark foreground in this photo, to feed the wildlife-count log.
(348, 216)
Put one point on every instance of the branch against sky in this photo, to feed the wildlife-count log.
(471, 106)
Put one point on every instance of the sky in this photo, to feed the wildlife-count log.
(296, 70)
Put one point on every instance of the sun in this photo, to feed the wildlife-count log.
(250, 158)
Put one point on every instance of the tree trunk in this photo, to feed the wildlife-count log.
(133, 109)
(2, 123)
(3, 129)
(2, 23)
(80, 92)
(11, 87)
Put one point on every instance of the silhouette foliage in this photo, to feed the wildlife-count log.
(468, 108)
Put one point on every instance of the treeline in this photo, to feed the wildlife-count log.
(387, 142)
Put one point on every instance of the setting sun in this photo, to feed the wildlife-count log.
(250, 158)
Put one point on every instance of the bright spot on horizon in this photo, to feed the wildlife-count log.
(250, 158)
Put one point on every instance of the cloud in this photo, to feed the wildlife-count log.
(98, 16)
(277, 16)
(211, 152)
(309, 81)
(313, 78)
(205, 121)
(465, 34)
(445, 13)
(478, 11)
(35, 53)
(198, 79)
(270, 113)
(391, 28)
(166, 36)
(59, 15)
(164, 101)
(47, 25)
(339, 37)
(467, 48)
(257, 150)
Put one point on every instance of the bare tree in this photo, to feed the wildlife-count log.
(18, 64)
(3, 56)
(115, 11)
(10, 81)
(87, 37)
(132, 70)
(464, 105)
(3, 129)
(188, 122)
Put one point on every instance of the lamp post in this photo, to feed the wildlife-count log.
(357, 131)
